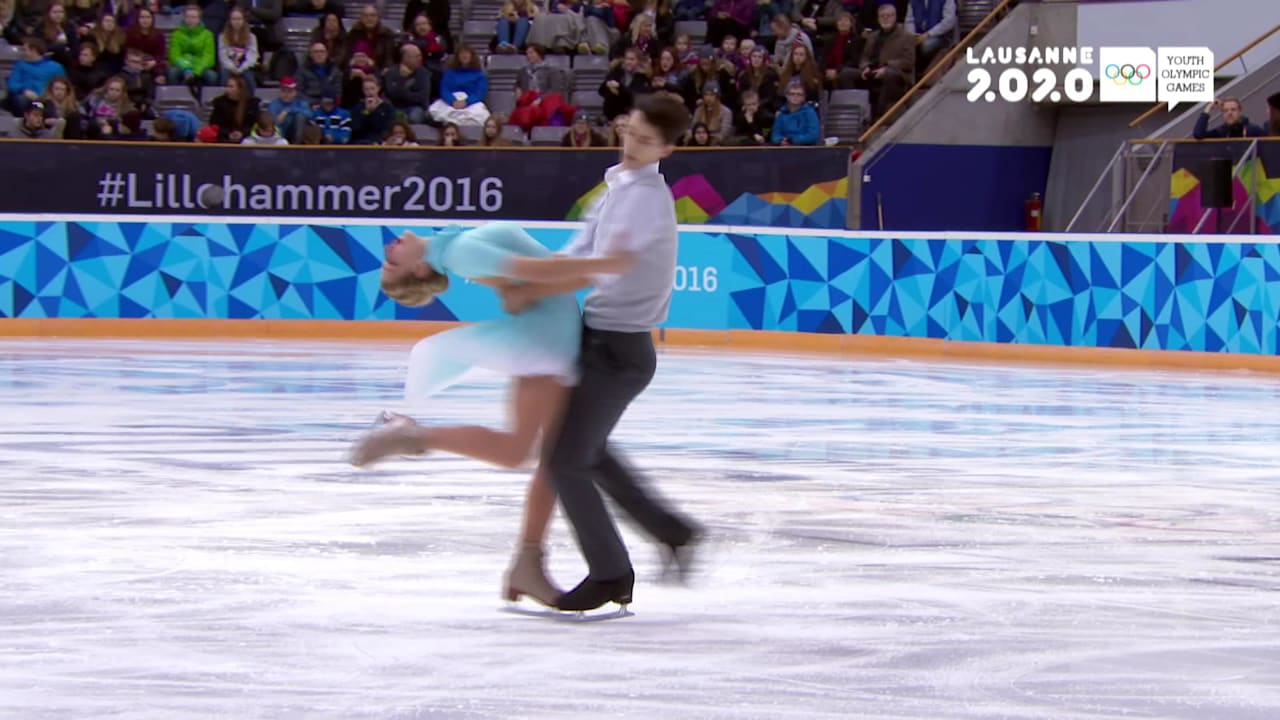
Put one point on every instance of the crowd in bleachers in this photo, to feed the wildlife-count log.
(752, 72)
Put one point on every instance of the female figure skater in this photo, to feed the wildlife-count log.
(538, 348)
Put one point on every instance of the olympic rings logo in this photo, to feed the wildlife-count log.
(1127, 74)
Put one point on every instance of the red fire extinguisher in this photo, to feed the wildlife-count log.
(1034, 206)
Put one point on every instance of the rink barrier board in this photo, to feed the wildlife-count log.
(1145, 300)
(741, 341)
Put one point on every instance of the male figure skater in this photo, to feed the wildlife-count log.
(635, 217)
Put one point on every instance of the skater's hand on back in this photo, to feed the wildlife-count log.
(515, 298)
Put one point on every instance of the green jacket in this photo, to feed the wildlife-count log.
(192, 49)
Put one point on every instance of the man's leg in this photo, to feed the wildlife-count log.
(613, 374)
(621, 484)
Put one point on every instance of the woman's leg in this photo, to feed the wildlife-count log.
(535, 401)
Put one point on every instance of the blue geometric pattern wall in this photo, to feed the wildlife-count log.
(1216, 297)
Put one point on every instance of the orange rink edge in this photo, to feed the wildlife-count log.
(733, 340)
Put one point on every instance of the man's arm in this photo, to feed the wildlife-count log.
(557, 269)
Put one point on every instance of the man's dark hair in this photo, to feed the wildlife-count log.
(666, 113)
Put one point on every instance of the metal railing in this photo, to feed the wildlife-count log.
(1138, 182)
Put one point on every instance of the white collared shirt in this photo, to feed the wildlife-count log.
(636, 212)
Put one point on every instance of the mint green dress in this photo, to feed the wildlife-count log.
(544, 339)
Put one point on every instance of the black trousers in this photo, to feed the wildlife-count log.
(614, 369)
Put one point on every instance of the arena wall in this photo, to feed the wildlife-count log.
(1147, 300)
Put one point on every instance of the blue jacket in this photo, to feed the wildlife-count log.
(1244, 129)
(336, 124)
(299, 106)
(464, 80)
(927, 15)
(34, 76)
(800, 126)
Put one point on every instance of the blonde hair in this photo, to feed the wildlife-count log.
(414, 291)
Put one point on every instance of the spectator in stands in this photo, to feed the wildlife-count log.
(438, 12)
(400, 135)
(817, 18)
(761, 78)
(238, 50)
(312, 135)
(787, 36)
(316, 8)
(319, 75)
(334, 122)
(124, 11)
(30, 75)
(512, 29)
(110, 39)
(641, 38)
(192, 57)
(690, 10)
(888, 64)
(801, 68)
(709, 69)
(372, 120)
(685, 53)
(60, 102)
(668, 73)
(331, 31)
(753, 124)
(430, 44)
(537, 75)
(264, 23)
(581, 134)
(762, 21)
(729, 55)
(462, 91)
(234, 111)
(664, 20)
(932, 22)
(361, 66)
(88, 73)
(842, 54)
(370, 37)
(139, 84)
(711, 113)
(106, 108)
(265, 131)
(622, 84)
(59, 34)
(20, 19)
(164, 130)
(1273, 114)
(797, 122)
(82, 15)
(604, 17)
(451, 136)
(492, 135)
(729, 17)
(1234, 123)
(409, 85)
(146, 39)
(290, 110)
(617, 129)
(561, 28)
(33, 125)
(699, 136)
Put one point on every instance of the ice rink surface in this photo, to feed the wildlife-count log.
(181, 538)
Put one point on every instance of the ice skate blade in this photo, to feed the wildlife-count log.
(571, 616)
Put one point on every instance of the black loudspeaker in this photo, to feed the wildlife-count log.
(1216, 184)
